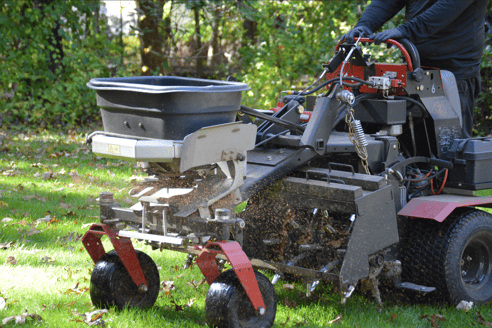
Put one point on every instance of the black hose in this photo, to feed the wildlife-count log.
(413, 101)
(276, 120)
(412, 51)
(347, 78)
(428, 178)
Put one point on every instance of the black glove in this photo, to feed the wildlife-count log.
(356, 32)
(393, 33)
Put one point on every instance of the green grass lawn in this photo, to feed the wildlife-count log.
(49, 183)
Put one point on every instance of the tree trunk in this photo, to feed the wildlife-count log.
(151, 40)
(199, 49)
(250, 26)
(217, 56)
(97, 6)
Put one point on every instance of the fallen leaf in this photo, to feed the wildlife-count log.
(288, 286)
(11, 260)
(167, 287)
(393, 317)
(2, 303)
(285, 323)
(464, 306)
(482, 321)
(65, 206)
(30, 197)
(178, 307)
(6, 245)
(6, 220)
(47, 260)
(337, 319)
(93, 318)
(45, 219)
(72, 236)
(21, 319)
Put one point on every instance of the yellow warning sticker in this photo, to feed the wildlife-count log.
(114, 149)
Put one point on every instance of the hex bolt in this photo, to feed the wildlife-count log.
(106, 197)
(261, 311)
(140, 125)
(142, 289)
(126, 124)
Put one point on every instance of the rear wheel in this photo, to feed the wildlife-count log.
(111, 284)
(454, 256)
(228, 306)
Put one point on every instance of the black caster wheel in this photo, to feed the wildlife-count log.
(227, 305)
(111, 285)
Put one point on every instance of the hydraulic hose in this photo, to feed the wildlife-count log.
(276, 120)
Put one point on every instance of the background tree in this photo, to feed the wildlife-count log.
(51, 48)
(153, 36)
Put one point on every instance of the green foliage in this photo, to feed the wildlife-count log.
(47, 56)
(294, 39)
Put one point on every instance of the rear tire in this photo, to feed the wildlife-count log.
(228, 306)
(454, 256)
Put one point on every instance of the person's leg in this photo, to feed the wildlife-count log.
(468, 90)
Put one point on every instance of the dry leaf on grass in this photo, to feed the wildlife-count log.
(6, 245)
(195, 283)
(65, 206)
(2, 303)
(11, 260)
(337, 319)
(464, 306)
(21, 319)
(482, 321)
(288, 286)
(178, 307)
(93, 318)
(167, 287)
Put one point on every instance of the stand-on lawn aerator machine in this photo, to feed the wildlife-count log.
(369, 179)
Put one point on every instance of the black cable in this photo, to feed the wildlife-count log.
(347, 78)
(428, 178)
(271, 138)
(413, 101)
(279, 121)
